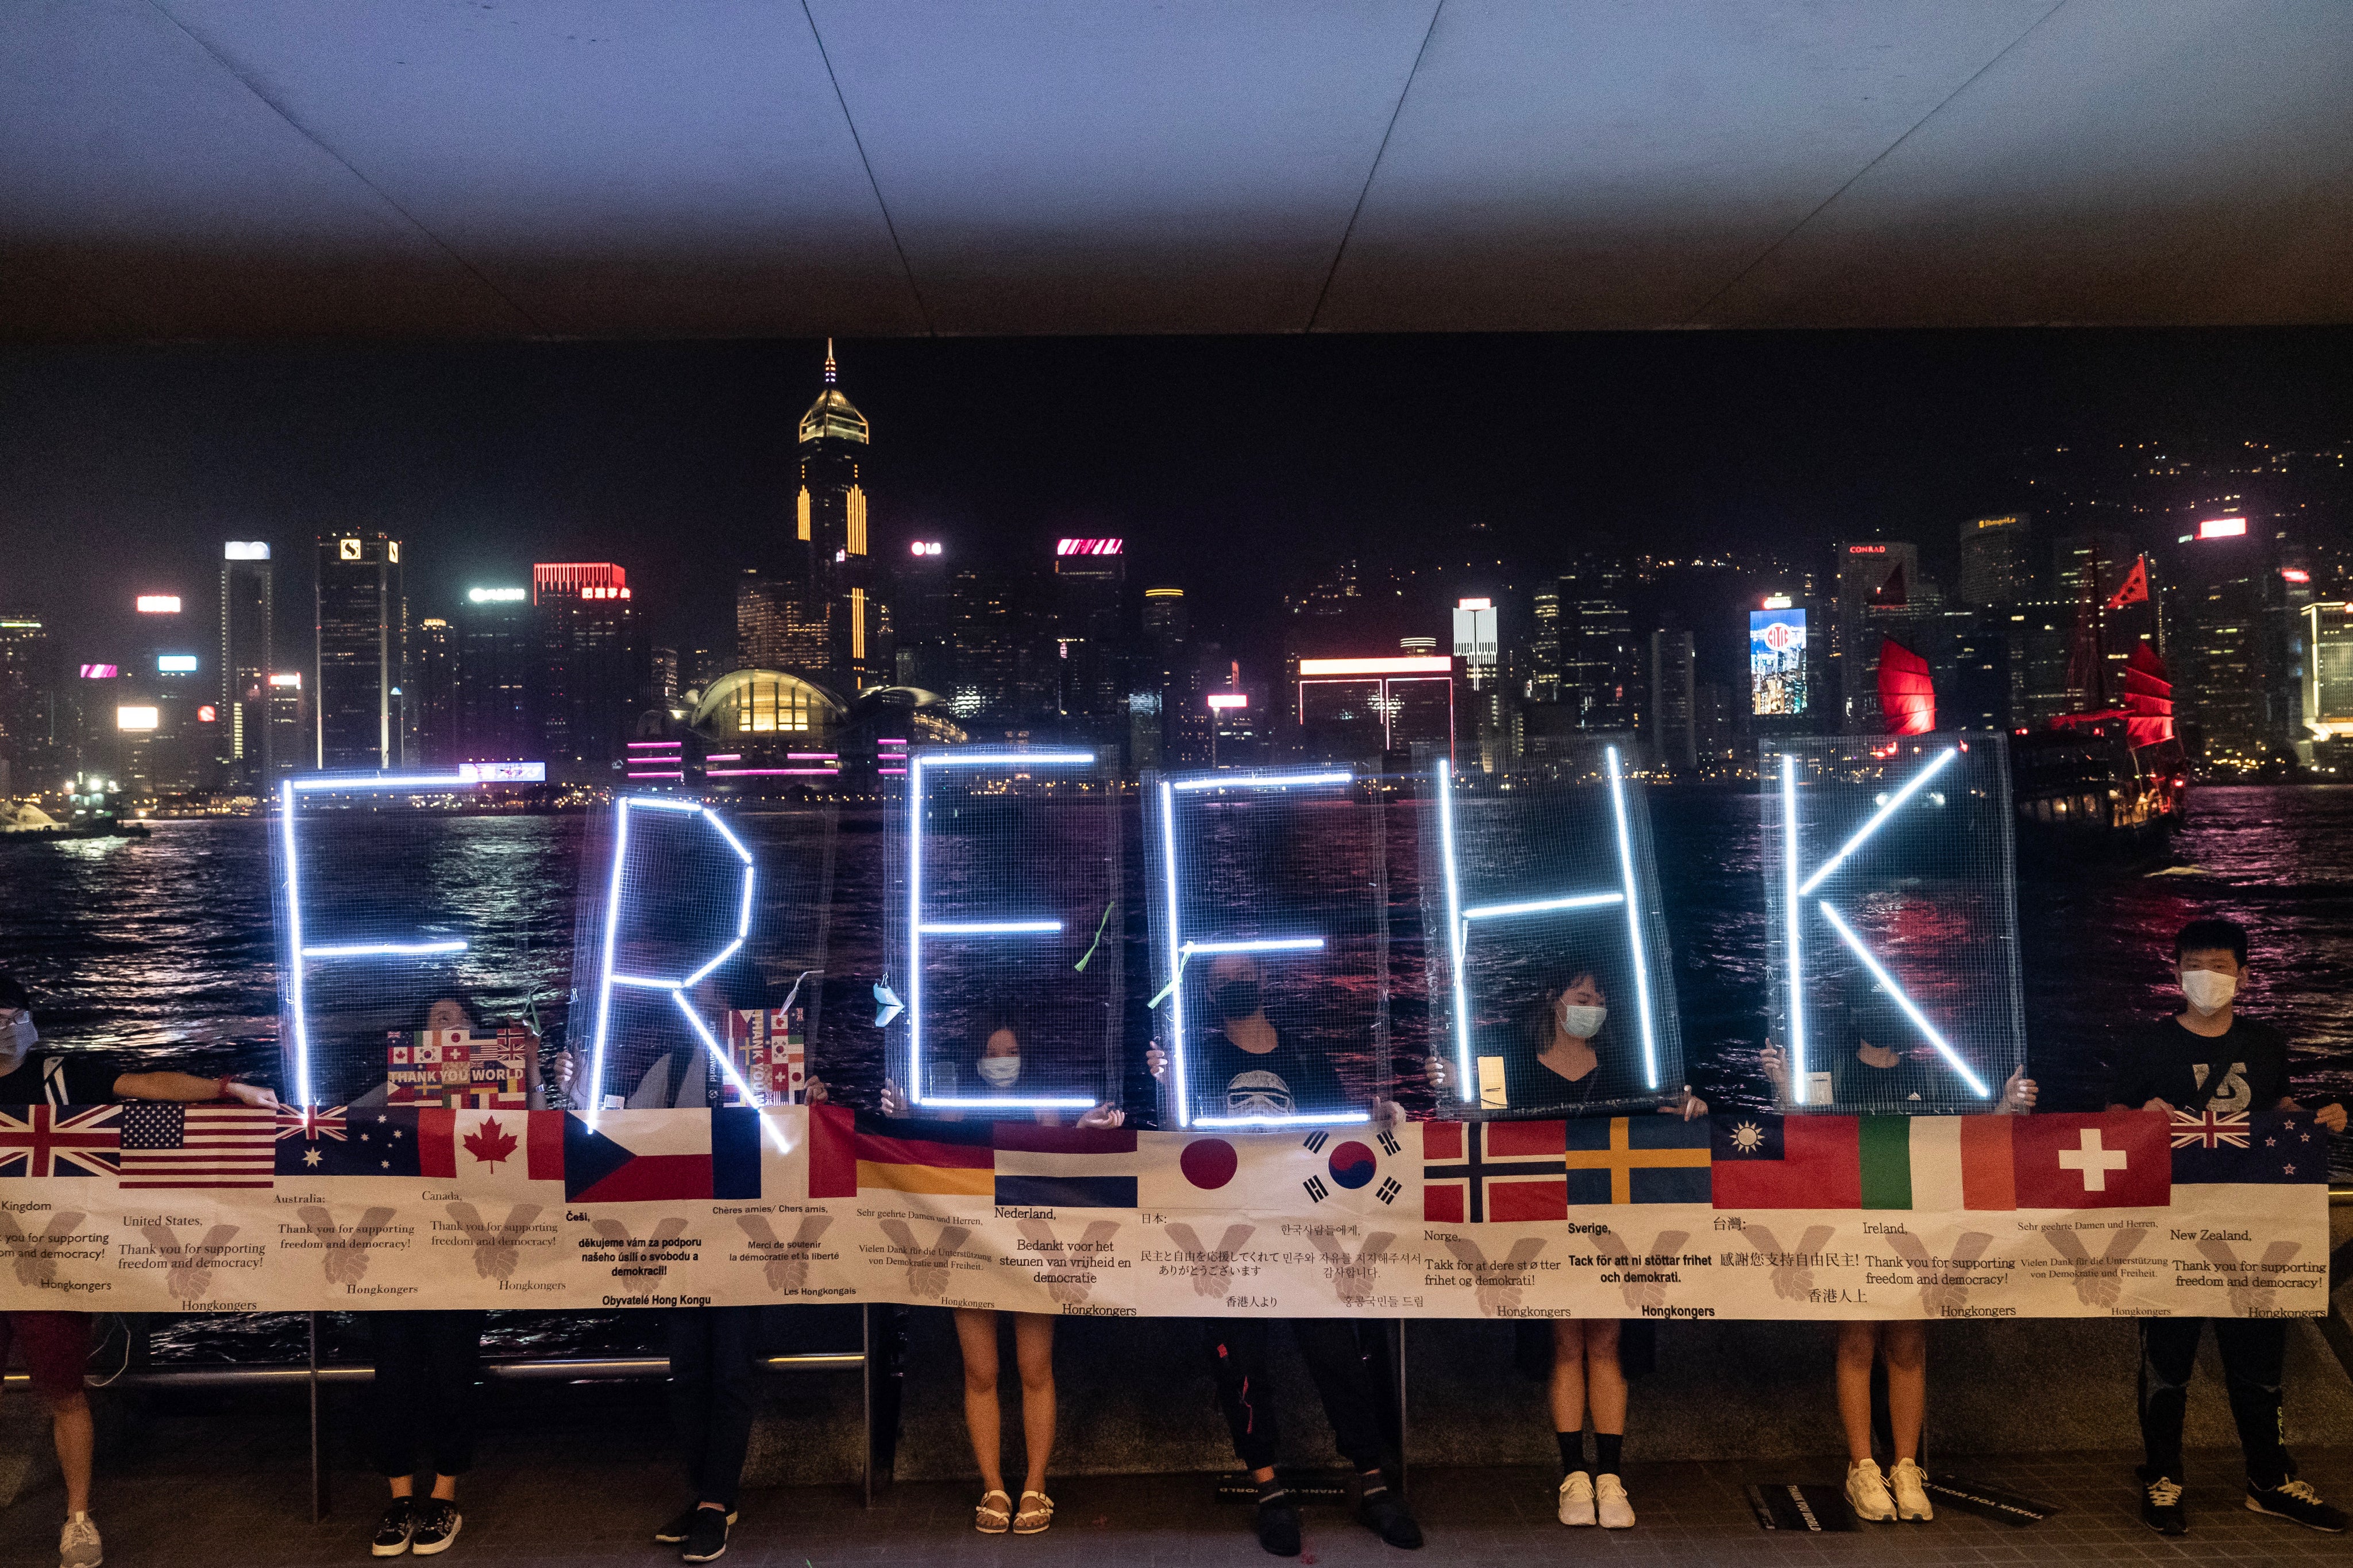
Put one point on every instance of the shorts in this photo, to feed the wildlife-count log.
(56, 1345)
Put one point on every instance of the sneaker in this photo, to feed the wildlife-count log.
(1609, 1494)
(1911, 1495)
(1386, 1517)
(706, 1538)
(2296, 1501)
(393, 1531)
(78, 1543)
(2160, 1507)
(678, 1529)
(438, 1523)
(1278, 1524)
(1576, 1498)
(1866, 1492)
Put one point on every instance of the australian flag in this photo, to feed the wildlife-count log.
(353, 1141)
(2275, 1147)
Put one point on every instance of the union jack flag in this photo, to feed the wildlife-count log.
(62, 1141)
(310, 1121)
(2225, 1129)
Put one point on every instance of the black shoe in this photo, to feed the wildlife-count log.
(2297, 1502)
(2160, 1505)
(1386, 1517)
(1278, 1524)
(678, 1529)
(393, 1531)
(706, 1538)
(438, 1523)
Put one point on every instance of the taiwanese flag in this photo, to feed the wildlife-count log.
(661, 1156)
(2116, 1159)
(853, 1150)
(1785, 1162)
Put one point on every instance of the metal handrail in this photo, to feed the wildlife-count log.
(552, 1369)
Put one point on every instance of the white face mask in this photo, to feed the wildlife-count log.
(2208, 992)
(1583, 1022)
(16, 1040)
(1000, 1072)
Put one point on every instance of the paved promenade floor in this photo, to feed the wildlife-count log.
(229, 1487)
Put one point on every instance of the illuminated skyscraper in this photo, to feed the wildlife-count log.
(32, 720)
(590, 667)
(1671, 724)
(362, 648)
(832, 633)
(919, 616)
(1997, 566)
(1876, 578)
(248, 620)
(1597, 650)
(432, 692)
(1089, 592)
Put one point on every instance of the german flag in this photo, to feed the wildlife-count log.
(854, 1151)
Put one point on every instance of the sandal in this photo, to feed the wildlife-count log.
(988, 1518)
(1033, 1518)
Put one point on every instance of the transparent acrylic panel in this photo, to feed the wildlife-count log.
(1269, 898)
(1001, 932)
(1551, 991)
(700, 950)
(1892, 919)
(404, 908)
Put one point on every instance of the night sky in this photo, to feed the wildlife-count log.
(1230, 464)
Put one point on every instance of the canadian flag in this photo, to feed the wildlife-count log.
(497, 1148)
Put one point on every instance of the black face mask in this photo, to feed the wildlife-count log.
(1236, 999)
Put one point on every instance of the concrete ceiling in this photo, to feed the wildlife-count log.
(663, 168)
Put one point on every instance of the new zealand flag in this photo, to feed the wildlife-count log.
(2274, 1147)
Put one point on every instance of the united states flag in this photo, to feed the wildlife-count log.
(169, 1145)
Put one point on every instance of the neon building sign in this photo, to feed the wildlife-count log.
(1015, 925)
(1465, 918)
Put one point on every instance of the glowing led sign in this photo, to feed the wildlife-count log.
(1088, 546)
(245, 549)
(502, 773)
(1776, 660)
(924, 547)
(176, 664)
(919, 928)
(159, 604)
(294, 680)
(1777, 601)
(98, 672)
(1866, 550)
(1222, 700)
(136, 719)
(2294, 574)
(207, 714)
(497, 595)
(1474, 603)
(1407, 665)
(2222, 527)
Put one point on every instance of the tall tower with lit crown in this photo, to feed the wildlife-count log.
(832, 634)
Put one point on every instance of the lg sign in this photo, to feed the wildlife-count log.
(924, 547)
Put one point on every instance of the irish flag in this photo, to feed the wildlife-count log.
(1936, 1162)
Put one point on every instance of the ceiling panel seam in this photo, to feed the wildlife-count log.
(1698, 317)
(310, 136)
(1387, 130)
(923, 312)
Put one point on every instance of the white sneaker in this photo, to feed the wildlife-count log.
(1576, 1498)
(1866, 1492)
(1911, 1497)
(77, 1545)
(1617, 1513)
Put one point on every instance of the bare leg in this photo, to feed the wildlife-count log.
(1905, 1347)
(1033, 1353)
(977, 1334)
(1568, 1377)
(402, 1486)
(70, 1424)
(1605, 1380)
(445, 1488)
(1858, 1346)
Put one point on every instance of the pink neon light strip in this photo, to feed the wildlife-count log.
(813, 756)
(724, 757)
(645, 745)
(771, 773)
(900, 771)
(882, 743)
(677, 775)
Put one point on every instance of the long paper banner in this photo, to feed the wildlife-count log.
(154, 1207)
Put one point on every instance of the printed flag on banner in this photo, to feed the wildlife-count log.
(1065, 1167)
(2112, 1160)
(851, 1150)
(490, 1149)
(1930, 1162)
(2275, 1148)
(1785, 1162)
(182, 1147)
(2116, 1159)
(374, 1140)
(661, 1156)
(1345, 1170)
(1638, 1160)
(766, 1045)
(1476, 1171)
(61, 1140)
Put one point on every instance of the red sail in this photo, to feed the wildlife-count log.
(1908, 698)
(2148, 697)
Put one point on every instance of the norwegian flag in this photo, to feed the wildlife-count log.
(310, 1121)
(62, 1141)
(2226, 1130)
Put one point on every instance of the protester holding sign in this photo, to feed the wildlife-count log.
(56, 1345)
(2205, 1063)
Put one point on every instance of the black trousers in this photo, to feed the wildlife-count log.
(1238, 1358)
(421, 1406)
(2254, 1352)
(713, 1395)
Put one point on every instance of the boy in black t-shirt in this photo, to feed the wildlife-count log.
(2205, 1058)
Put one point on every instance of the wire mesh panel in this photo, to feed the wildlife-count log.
(1892, 922)
(1269, 931)
(699, 953)
(404, 908)
(1550, 988)
(1001, 941)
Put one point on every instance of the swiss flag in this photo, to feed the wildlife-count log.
(2136, 585)
(2115, 1160)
